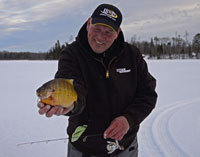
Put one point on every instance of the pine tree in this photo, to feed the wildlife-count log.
(196, 45)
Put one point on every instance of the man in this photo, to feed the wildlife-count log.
(115, 90)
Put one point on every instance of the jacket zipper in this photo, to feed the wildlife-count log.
(107, 69)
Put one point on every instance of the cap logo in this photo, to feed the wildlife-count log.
(109, 13)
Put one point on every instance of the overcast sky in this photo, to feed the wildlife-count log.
(35, 25)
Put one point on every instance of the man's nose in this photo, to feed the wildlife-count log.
(101, 36)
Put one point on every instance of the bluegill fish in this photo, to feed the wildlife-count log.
(57, 92)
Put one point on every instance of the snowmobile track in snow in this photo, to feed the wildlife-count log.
(156, 132)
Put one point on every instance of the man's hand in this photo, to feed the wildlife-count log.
(117, 129)
(52, 110)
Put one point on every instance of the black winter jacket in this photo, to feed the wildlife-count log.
(116, 83)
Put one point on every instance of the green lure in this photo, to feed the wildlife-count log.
(78, 132)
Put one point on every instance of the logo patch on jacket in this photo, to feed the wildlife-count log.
(123, 70)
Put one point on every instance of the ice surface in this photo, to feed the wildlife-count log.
(172, 129)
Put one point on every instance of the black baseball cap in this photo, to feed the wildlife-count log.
(108, 15)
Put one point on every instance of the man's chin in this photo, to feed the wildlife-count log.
(99, 51)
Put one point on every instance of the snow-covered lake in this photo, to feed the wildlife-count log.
(172, 130)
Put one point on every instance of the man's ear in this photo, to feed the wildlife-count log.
(88, 23)
(119, 30)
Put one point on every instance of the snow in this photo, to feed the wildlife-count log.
(172, 129)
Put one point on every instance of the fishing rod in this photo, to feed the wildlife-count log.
(43, 141)
(57, 139)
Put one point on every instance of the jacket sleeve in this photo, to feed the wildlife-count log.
(68, 68)
(145, 96)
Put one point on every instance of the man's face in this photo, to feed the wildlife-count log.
(100, 37)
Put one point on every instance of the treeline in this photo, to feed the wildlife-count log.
(169, 48)
(5, 55)
(156, 48)
(52, 54)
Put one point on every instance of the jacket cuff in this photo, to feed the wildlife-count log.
(129, 119)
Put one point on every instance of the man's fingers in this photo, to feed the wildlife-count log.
(59, 111)
(116, 132)
(108, 131)
(65, 110)
(44, 109)
(112, 132)
(118, 137)
(51, 112)
(40, 104)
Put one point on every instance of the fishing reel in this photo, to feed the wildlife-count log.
(112, 146)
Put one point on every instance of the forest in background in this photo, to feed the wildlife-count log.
(157, 48)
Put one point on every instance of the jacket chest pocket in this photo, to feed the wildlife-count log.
(124, 82)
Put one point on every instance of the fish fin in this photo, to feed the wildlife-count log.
(70, 81)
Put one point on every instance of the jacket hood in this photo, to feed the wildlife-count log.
(114, 50)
